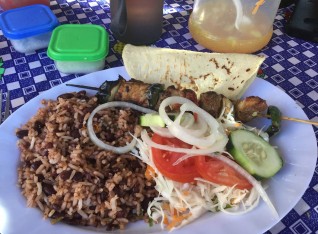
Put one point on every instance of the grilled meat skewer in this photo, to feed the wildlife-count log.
(151, 95)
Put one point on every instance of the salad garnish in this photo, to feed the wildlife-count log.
(199, 163)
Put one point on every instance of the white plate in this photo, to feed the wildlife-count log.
(296, 142)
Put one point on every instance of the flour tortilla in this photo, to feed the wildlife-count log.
(227, 74)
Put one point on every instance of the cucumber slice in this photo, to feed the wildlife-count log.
(254, 154)
(154, 119)
(151, 120)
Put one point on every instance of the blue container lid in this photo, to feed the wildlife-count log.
(27, 21)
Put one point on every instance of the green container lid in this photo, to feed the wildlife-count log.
(78, 42)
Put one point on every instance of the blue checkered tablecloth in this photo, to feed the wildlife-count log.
(291, 65)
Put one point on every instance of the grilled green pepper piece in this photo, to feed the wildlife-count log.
(153, 94)
(275, 116)
(108, 89)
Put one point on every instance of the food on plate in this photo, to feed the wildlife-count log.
(245, 110)
(276, 116)
(75, 170)
(254, 154)
(227, 74)
(194, 170)
(151, 95)
(186, 154)
(64, 174)
(167, 147)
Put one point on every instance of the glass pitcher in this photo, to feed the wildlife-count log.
(233, 26)
(137, 22)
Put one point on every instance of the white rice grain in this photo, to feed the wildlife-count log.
(73, 167)
(80, 204)
(32, 143)
(40, 205)
(113, 203)
(51, 213)
(72, 174)
(83, 214)
(40, 169)
(97, 173)
(39, 186)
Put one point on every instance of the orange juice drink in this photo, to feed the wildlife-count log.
(213, 24)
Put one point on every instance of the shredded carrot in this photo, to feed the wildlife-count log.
(173, 211)
(186, 193)
(165, 220)
(183, 209)
(168, 208)
(176, 220)
(257, 6)
(165, 206)
(149, 173)
(238, 125)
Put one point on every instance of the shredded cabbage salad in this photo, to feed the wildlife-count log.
(180, 203)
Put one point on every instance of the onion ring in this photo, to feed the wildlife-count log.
(101, 144)
(210, 136)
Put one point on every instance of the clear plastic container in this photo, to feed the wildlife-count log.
(235, 26)
(28, 28)
(11, 4)
(79, 48)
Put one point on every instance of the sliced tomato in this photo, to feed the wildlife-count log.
(195, 115)
(209, 168)
(184, 171)
(217, 171)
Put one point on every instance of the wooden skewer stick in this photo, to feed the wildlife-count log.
(259, 115)
(292, 119)
(83, 86)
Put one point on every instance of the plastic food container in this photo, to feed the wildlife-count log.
(77, 48)
(10, 4)
(28, 28)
